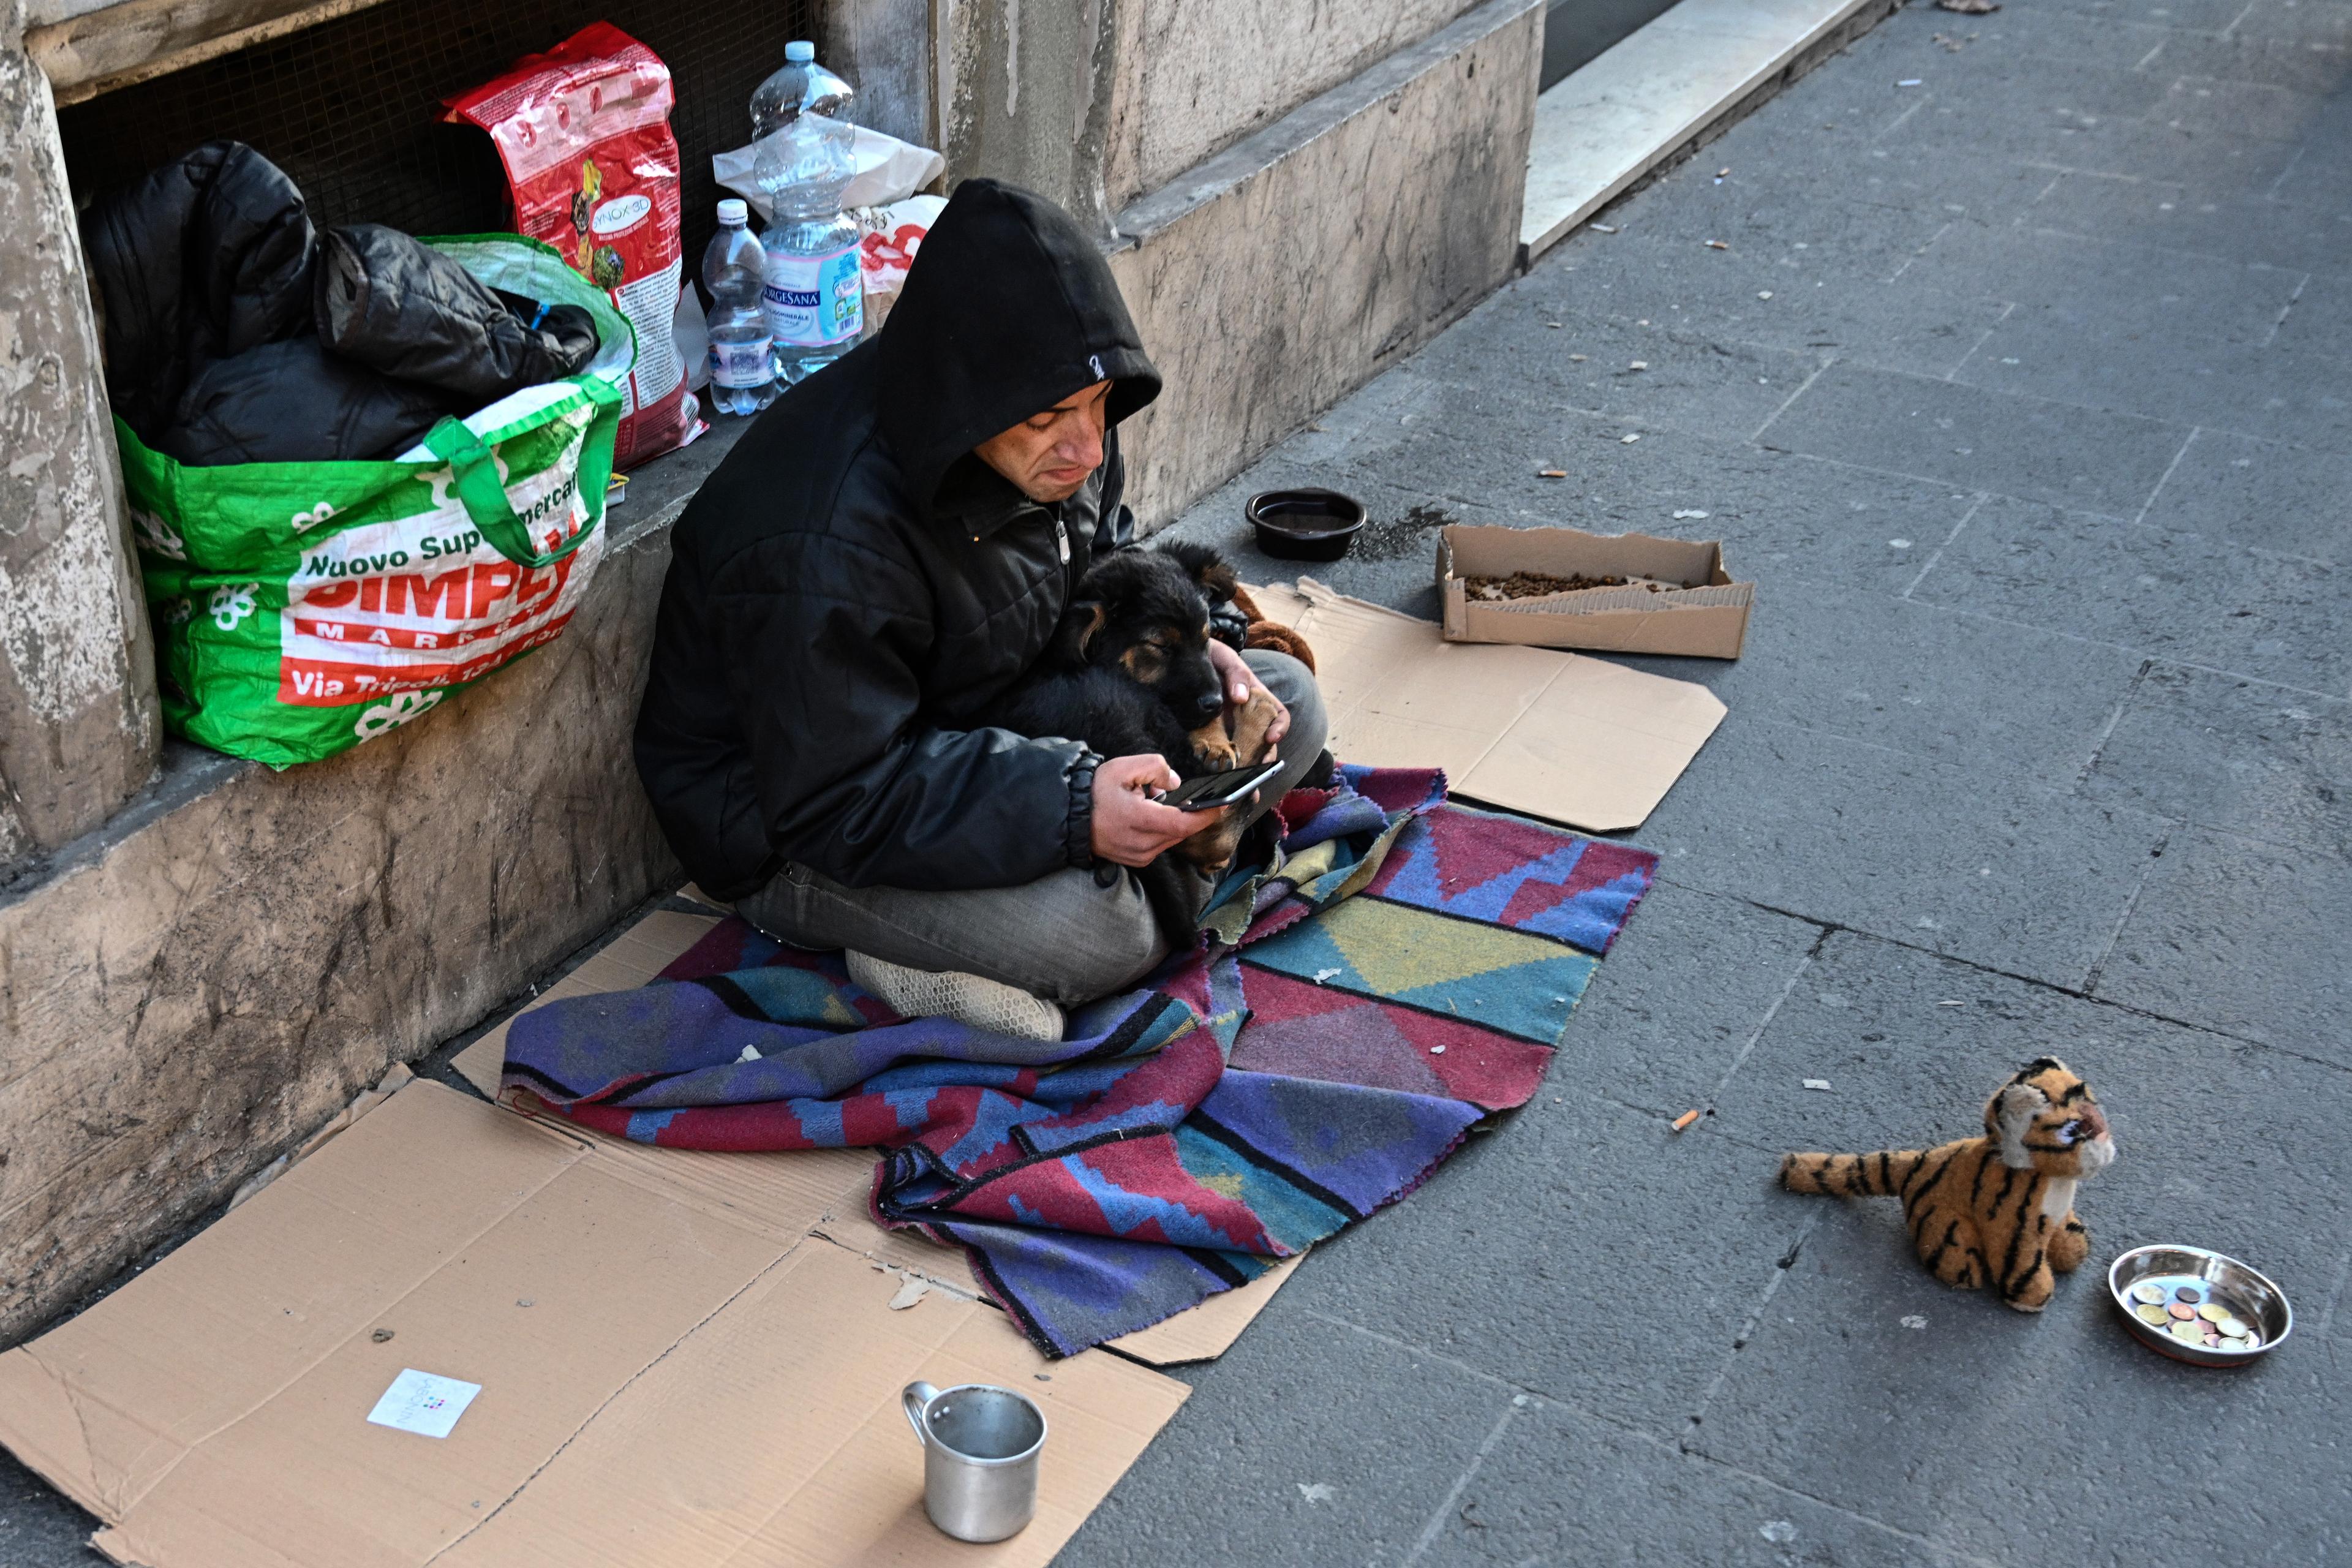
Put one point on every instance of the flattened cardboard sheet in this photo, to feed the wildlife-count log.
(665, 1378)
(1557, 735)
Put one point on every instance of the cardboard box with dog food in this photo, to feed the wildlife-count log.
(1561, 587)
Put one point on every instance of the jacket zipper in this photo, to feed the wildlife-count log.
(1061, 536)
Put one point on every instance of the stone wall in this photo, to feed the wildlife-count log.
(1274, 279)
(1193, 77)
(78, 726)
(195, 989)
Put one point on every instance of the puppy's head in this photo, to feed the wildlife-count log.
(1146, 613)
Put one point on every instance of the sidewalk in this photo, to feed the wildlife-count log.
(2037, 450)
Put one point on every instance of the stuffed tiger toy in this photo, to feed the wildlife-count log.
(1998, 1209)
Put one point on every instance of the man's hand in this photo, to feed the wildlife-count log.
(1241, 683)
(1130, 828)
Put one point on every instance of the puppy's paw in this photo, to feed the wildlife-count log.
(1213, 749)
(1210, 850)
(1250, 725)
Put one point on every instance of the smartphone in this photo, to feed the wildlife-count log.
(1211, 791)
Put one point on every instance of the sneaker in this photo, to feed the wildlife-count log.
(972, 999)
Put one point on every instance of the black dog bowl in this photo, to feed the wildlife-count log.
(1305, 525)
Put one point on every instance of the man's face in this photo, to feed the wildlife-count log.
(1050, 454)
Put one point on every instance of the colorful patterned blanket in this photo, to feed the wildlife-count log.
(1404, 972)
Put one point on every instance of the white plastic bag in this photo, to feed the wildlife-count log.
(889, 170)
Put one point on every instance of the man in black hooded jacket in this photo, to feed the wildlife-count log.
(886, 552)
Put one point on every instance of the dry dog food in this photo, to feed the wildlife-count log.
(591, 167)
(1537, 584)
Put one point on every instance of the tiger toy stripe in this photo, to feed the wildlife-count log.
(1998, 1209)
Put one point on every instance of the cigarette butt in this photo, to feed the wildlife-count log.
(1685, 1119)
(1551, 473)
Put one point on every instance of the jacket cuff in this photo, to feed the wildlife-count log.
(1078, 840)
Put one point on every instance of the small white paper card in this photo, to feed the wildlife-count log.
(423, 1403)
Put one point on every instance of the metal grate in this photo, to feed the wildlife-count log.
(352, 109)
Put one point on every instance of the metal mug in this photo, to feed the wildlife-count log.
(980, 1456)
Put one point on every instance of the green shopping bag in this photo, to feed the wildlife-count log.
(301, 608)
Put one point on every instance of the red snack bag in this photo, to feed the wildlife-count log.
(591, 167)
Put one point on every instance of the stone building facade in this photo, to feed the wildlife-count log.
(200, 960)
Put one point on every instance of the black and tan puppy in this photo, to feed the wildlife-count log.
(1129, 674)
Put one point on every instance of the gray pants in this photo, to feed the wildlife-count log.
(1071, 936)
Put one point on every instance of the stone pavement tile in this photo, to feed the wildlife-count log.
(1979, 438)
(2268, 62)
(1953, 146)
(2318, 179)
(1683, 992)
(2268, 391)
(1787, 521)
(1692, 380)
(2201, 105)
(2027, 85)
(2198, 16)
(2023, 1440)
(1907, 1071)
(2319, 323)
(1893, 325)
(1958, 859)
(1296, 1402)
(2069, 282)
(1493, 1260)
(38, 1528)
(2028, 705)
(2243, 938)
(2260, 493)
(1473, 455)
(1995, 43)
(2258, 761)
(2326, 23)
(1767, 218)
(1561, 1487)
(2241, 228)
(1915, 165)
(2182, 597)
(1836, 1397)
(1783, 518)
(1485, 449)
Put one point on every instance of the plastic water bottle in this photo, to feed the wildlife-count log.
(742, 366)
(814, 296)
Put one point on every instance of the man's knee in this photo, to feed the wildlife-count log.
(1294, 685)
(1098, 935)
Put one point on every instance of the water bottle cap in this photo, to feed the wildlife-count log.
(800, 51)
(733, 214)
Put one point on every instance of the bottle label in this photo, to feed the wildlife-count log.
(741, 364)
(814, 301)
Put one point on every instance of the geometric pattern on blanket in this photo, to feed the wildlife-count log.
(1405, 972)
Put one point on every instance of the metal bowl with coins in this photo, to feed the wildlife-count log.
(2199, 1306)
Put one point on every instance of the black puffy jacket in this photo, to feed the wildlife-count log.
(235, 333)
(853, 587)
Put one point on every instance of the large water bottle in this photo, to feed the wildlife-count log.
(743, 364)
(815, 299)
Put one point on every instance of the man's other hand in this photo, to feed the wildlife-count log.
(1241, 684)
(1130, 828)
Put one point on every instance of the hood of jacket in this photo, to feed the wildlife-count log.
(1009, 308)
